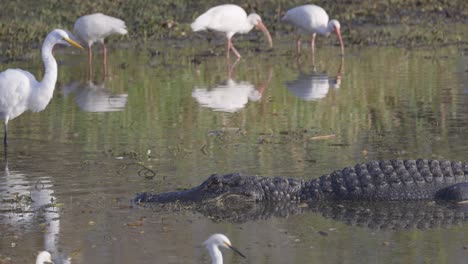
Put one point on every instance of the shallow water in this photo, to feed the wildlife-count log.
(163, 121)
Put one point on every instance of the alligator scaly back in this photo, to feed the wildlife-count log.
(388, 180)
(384, 180)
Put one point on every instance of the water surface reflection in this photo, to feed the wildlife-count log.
(417, 113)
(95, 97)
(315, 86)
(230, 95)
(28, 206)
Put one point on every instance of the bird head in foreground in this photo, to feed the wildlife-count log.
(60, 36)
(335, 26)
(222, 241)
(44, 257)
(256, 20)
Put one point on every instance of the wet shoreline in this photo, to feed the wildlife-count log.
(406, 24)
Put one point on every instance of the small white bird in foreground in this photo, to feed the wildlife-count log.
(95, 28)
(44, 257)
(20, 91)
(215, 241)
(230, 19)
(312, 19)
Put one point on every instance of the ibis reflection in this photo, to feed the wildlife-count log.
(230, 95)
(92, 97)
(315, 86)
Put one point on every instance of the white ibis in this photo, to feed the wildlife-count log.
(229, 19)
(95, 28)
(312, 19)
(44, 257)
(20, 91)
(214, 242)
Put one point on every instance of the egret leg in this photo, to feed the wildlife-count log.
(104, 59)
(312, 46)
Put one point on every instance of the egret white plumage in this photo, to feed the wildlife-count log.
(44, 257)
(312, 19)
(19, 89)
(230, 19)
(95, 28)
(214, 242)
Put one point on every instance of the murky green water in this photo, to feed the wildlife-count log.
(85, 157)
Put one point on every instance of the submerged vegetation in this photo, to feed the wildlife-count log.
(23, 24)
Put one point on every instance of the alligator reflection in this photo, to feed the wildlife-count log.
(230, 96)
(315, 86)
(92, 97)
(376, 216)
(25, 204)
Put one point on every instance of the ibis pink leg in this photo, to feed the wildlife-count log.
(228, 50)
(90, 58)
(312, 46)
(298, 45)
(262, 86)
(104, 59)
(231, 47)
(230, 68)
(235, 51)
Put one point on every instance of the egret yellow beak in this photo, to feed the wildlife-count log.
(73, 43)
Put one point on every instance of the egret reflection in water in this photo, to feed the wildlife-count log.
(230, 95)
(91, 97)
(315, 86)
(26, 201)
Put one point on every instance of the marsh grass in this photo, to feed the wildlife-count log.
(24, 23)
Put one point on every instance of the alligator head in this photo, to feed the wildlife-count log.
(229, 188)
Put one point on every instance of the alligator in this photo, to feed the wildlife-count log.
(382, 180)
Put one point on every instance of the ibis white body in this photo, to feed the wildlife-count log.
(95, 28)
(230, 20)
(312, 19)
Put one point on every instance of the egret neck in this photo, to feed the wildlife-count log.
(215, 253)
(43, 92)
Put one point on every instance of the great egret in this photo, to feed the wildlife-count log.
(95, 28)
(20, 91)
(219, 240)
(44, 257)
(229, 19)
(312, 19)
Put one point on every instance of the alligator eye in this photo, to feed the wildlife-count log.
(215, 182)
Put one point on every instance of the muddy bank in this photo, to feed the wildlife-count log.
(23, 24)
